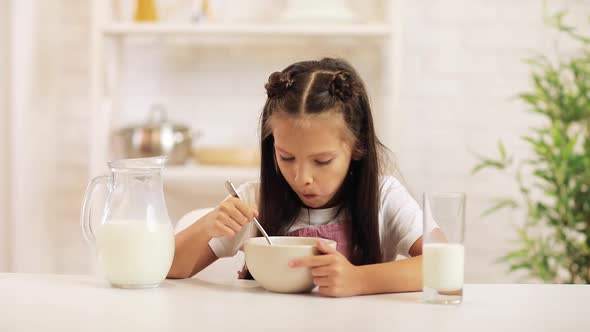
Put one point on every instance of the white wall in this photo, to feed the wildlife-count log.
(65, 40)
(4, 134)
(71, 25)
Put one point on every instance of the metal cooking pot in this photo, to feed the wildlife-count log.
(155, 138)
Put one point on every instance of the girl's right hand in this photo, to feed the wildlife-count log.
(229, 217)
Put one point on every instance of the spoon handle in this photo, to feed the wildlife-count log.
(232, 191)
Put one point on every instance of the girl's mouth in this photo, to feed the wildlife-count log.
(309, 196)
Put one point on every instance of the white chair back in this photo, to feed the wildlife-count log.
(224, 268)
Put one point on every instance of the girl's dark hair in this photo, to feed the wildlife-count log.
(314, 87)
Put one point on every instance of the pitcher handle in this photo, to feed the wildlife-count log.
(85, 222)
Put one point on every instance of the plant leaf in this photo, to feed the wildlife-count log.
(500, 203)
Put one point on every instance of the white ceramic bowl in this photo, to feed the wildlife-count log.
(269, 265)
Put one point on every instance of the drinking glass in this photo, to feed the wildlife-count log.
(443, 248)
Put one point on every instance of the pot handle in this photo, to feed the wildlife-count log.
(158, 114)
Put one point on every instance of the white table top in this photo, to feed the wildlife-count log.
(36, 302)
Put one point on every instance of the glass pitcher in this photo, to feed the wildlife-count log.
(135, 240)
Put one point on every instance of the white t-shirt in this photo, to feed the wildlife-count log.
(400, 220)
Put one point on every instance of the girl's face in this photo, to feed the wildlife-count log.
(313, 153)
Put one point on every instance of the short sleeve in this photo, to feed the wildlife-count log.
(401, 219)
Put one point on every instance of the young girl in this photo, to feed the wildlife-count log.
(320, 176)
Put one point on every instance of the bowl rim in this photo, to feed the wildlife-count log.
(256, 241)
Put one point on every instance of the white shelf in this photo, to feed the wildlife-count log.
(244, 29)
(194, 173)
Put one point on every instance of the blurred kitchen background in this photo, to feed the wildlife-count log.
(442, 75)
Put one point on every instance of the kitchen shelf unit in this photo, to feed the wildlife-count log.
(107, 41)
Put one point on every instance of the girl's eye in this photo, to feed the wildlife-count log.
(286, 158)
(323, 162)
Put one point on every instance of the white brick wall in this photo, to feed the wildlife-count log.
(196, 83)
(72, 147)
(58, 123)
(460, 64)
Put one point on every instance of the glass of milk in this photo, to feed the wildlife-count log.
(134, 241)
(443, 251)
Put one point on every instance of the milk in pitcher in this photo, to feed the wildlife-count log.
(135, 253)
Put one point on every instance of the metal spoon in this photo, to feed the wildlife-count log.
(232, 191)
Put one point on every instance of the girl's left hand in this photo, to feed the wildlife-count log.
(332, 272)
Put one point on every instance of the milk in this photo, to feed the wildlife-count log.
(443, 265)
(135, 253)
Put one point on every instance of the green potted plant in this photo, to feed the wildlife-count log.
(554, 241)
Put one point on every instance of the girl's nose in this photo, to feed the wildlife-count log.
(303, 176)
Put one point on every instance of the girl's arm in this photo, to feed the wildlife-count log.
(191, 250)
(337, 277)
(392, 277)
